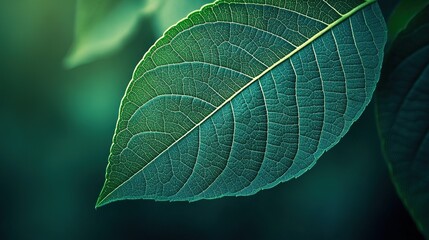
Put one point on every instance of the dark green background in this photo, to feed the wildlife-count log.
(56, 130)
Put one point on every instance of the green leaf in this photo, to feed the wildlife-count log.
(402, 15)
(403, 117)
(243, 95)
(103, 26)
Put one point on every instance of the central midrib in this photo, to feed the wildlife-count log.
(306, 43)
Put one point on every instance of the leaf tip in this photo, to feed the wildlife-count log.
(102, 198)
(101, 201)
(74, 59)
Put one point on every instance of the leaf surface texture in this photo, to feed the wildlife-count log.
(243, 95)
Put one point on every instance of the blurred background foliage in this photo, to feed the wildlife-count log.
(57, 125)
(104, 26)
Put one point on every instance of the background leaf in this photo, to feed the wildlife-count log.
(402, 15)
(242, 96)
(103, 26)
(403, 116)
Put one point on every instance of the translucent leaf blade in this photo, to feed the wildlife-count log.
(241, 96)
